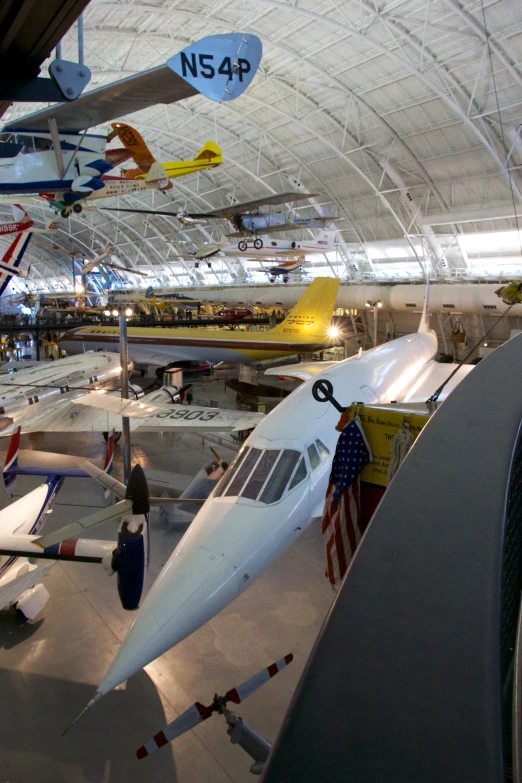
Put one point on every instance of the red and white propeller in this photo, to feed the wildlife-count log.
(198, 712)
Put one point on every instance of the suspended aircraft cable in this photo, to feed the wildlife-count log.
(434, 397)
(510, 178)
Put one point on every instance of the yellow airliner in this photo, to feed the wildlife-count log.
(208, 157)
(305, 329)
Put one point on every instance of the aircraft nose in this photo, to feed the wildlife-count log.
(195, 584)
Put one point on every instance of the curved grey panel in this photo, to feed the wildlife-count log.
(405, 682)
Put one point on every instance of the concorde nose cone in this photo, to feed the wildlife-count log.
(195, 585)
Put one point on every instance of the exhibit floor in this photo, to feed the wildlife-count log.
(49, 668)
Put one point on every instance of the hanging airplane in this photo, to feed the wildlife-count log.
(92, 263)
(268, 248)
(284, 270)
(246, 218)
(304, 330)
(208, 157)
(49, 152)
(45, 397)
(270, 493)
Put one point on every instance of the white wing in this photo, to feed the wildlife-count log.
(434, 376)
(303, 371)
(68, 416)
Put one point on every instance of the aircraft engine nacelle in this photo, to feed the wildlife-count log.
(135, 392)
(129, 563)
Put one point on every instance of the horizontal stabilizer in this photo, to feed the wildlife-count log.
(104, 479)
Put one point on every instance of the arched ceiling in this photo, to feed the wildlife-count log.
(389, 111)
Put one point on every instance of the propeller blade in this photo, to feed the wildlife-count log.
(119, 489)
(138, 491)
(198, 712)
(216, 455)
(186, 721)
(239, 694)
(76, 529)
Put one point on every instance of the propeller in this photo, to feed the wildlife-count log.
(198, 712)
(134, 500)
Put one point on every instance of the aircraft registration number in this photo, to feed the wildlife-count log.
(189, 415)
(207, 69)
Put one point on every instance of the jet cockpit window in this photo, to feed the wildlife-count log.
(299, 475)
(230, 472)
(313, 456)
(322, 449)
(260, 474)
(242, 473)
(283, 471)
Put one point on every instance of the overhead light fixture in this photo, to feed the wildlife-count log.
(128, 311)
(107, 312)
(115, 312)
(79, 289)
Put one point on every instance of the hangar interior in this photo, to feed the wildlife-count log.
(367, 180)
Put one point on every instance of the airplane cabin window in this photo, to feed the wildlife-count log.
(280, 476)
(260, 474)
(313, 456)
(230, 472)
(322, 449)
(243, 472)
(299, 475)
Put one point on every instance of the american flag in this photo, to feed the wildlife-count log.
(341, 516)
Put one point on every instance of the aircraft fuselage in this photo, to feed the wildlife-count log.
(268, 496)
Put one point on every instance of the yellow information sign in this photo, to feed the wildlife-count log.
(380, 425)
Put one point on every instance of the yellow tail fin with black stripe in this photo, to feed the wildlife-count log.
(310, 318)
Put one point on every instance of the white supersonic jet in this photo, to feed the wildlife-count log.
(268, 496)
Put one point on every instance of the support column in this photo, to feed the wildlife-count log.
(124, 361)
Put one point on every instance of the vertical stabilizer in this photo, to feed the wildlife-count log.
(424, 325)
(310, 318)
(12, 258)
(11, 461)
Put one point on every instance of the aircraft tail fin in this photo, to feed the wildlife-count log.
(208, 157)
(11, 461)
(324, 241)
(209, 152)
(424, 325)
(51, 225)
(310, 318)
(12, 259)
(157, 175)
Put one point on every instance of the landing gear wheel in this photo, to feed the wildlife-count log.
(286, 279)
(258, 243)
(209, 265)
(196, 265)
(64, 213)
(272, 279)
(77, 208)
(117, 436)
(242, 245)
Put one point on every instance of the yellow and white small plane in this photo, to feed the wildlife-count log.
(208, 157)
(304, 330)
